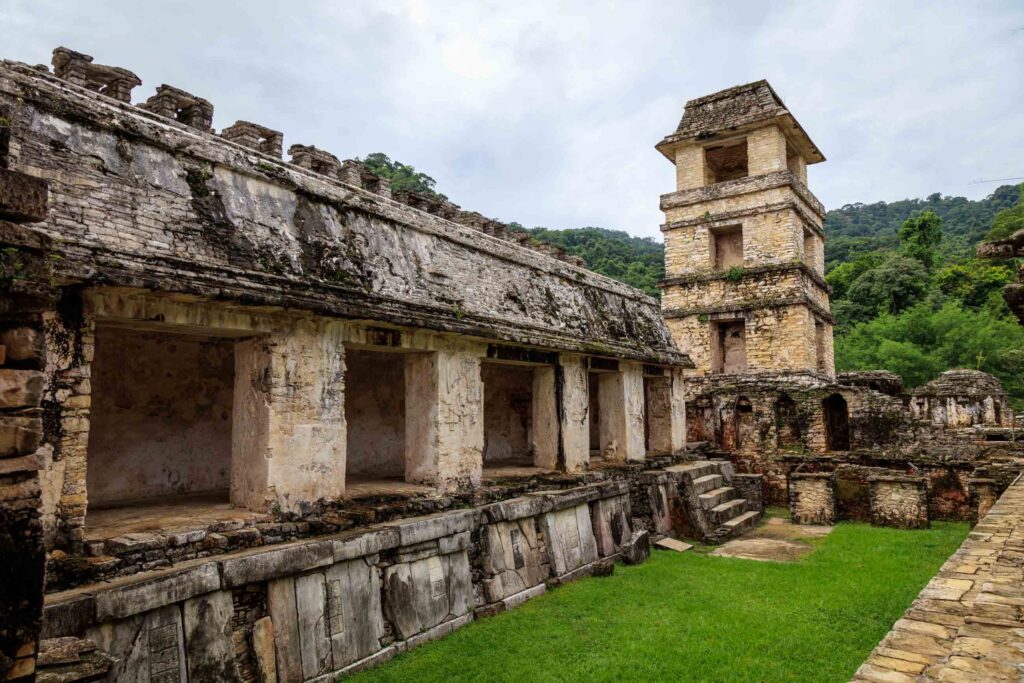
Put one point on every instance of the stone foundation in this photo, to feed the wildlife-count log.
(812, 498)
(344, 602)
(983, 495)
(899, 501)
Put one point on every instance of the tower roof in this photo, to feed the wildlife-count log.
(738, 108)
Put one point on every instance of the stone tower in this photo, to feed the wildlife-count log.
(744, 288)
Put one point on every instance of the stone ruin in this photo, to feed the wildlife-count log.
(272, 420)
(744, 294)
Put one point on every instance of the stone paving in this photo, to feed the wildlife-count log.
(968, 622)
(777, 540)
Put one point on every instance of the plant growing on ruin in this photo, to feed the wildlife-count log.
(734, 274)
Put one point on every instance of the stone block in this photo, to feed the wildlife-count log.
(659, 495)
(570, 539)
(423, 594)
(513, 558)
(355, 620)
(263, 650)
(22, 344)
(264, 564)
(315, 650)
(899, 501)
(20, 388)
(516, 508)
(209, 647)
(421, 529)
(451, 544)
(22, 197)
(638, 549)
(151, 592)
(149, 647)
(68, 617)
(812, 498)
(283, 611)
(610, 518)
(359, 544)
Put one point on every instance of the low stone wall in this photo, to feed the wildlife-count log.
(983, 494)
(899, 501)
(967, 623)
(812, 498)
(309, 610)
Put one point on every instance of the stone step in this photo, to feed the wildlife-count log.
(720, 514)
(707, 483)
(717, 496)
(741, 524)
(694, 470)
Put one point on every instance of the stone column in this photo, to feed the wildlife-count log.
(678, 410)
(574, 419)
(545, 418)
(622, 413)
(812, 497)
(289, 435)
(444, 417)
(899, 501)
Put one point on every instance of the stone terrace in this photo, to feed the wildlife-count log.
(968, 622)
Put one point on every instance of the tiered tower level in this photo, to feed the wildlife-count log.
(744, 246)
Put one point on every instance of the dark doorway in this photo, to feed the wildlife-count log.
(837, 423)
(787, 423)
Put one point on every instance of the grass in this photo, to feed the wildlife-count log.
(693, 617)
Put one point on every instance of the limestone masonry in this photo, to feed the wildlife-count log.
(269, 420)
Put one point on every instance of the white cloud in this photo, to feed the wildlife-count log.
(547, 113)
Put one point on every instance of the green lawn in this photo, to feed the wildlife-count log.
(693, 617)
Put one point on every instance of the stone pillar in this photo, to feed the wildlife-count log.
(545, 418)
(690, 173)
(621, 396)
(899, 501)
(766, 151)
(812, 497)
(444, 417)
(983, 494)
(573, 413)
(678, 410)
(289, 435)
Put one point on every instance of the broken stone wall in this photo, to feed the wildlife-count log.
(812, 498)
(899, 501)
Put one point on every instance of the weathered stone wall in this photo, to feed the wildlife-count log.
(899, 501)
(348, 601)
(812, 498)
(209, 216)
(966, 623)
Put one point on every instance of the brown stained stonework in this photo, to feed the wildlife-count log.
(899, 501)
(966, 624)
(812, 498)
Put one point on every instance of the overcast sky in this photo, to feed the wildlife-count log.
(547, 113)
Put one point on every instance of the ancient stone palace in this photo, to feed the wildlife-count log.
(265, 419)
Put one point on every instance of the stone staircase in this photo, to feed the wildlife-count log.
(712, 509)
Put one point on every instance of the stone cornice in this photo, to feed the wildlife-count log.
(741, 186)
(712, 219)
(781, 302)
(752, 272)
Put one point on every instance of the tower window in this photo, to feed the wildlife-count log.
(726, 162)
(727, 247)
